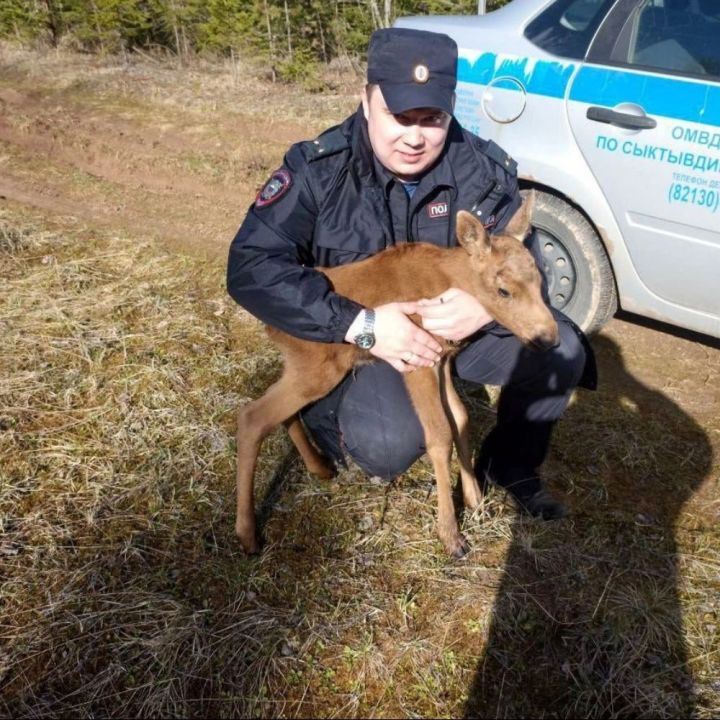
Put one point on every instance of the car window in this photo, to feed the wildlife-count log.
(566, 27)
(676, 35)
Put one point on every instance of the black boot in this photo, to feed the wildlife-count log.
(509, 457)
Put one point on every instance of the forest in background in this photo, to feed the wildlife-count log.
(293, 36)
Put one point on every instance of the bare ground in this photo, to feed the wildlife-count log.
(139, 172)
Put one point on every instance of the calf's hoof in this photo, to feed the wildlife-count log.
(459, 548)
(324, 471)
(248, 541)
(472, 498)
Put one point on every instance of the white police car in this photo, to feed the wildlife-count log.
(612, 110)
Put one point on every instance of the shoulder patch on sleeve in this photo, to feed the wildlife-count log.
(498, 155)
(274, 188)
(330, 142)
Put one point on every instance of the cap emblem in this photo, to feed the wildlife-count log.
(421, 74)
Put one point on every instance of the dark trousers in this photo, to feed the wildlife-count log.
(370, 416)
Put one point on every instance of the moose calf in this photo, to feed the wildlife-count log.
(498, 270)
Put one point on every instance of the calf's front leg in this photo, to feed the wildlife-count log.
(424, 389)
(458, 417)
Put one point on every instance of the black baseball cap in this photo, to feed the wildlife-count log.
(414, 68)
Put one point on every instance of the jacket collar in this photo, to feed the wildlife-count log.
(362, 153)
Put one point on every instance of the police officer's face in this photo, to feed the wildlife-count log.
(406, 144)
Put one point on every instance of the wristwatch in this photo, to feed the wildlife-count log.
(366, 338)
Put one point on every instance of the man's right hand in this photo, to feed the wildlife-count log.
(399, 341)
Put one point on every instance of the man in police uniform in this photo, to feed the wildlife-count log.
(398, 170)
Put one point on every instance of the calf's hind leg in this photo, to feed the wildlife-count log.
(314, 461)
(289, 394)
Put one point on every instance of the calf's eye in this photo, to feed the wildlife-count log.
(503, 293)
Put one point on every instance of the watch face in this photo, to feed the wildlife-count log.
(365, 341)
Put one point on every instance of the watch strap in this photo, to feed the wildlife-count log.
(369, 322)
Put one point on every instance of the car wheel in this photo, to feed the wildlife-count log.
(580, 279)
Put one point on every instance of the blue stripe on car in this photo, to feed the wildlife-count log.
(672, 97)
(539, 77)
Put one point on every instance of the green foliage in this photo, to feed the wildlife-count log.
(230, 25)
(294, 35)
(436, 7)
(23, 20)
(175, 24)
(105, 25)
(301, 67)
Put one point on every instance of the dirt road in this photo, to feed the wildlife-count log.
(150, 149)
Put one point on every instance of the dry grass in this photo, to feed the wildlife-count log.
(123, 590)
(116, 467)
(237, 86)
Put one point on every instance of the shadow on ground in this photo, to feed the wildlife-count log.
(587, 621)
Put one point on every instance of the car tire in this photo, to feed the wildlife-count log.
(580, 279)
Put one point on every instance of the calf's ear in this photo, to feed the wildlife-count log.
(519, 225)
(471, 234)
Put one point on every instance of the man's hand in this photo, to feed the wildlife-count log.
(453, 315)
(398, 340)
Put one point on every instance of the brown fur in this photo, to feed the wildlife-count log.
(497, 270)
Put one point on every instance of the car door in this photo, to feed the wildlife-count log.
(645, 111)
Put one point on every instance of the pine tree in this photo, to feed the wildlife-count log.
(230, 25)
(25, 20)
(293, 35)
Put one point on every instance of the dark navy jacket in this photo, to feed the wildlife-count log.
(335, 211)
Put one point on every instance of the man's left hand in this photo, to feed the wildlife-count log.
(453, 315)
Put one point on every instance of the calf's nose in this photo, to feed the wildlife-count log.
(547, 338)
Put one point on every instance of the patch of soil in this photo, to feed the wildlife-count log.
(97, 146)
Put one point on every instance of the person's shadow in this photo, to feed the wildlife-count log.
(587, 620)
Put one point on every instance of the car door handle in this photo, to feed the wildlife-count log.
(623, 120)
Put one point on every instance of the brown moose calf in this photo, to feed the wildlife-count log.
(498, 270)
